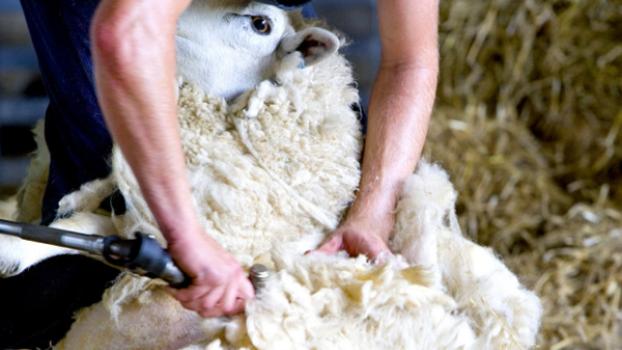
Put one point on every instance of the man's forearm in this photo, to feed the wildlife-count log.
(135, 85)
(399, 114)
(400, 108)
(134, 54)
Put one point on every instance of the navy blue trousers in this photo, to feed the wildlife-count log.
(37, 306)
(75, 132)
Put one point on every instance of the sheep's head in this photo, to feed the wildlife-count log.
(229, 46)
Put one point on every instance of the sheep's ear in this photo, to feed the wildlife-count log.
(314, 44)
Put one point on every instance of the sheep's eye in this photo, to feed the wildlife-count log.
(261, 25)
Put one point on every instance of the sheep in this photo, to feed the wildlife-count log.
(459, 297)
(226, 28)
(444, 292)
(272, 172)
(16, 254)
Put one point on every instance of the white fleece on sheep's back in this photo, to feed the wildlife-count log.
(325, 302)
(287, 168)
(271, 176)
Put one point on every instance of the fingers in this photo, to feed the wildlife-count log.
(223, 300)
(356, 243)
(372, 246)
(237, 307)
(229, 299)
(218, 311)
(210, 301)
(220, 286)
(331, 246)
(378, 253)
(190, 293)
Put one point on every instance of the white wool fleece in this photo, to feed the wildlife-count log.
(288, 170)
(466, 299)
(271, 176)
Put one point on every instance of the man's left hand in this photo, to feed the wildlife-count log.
(357, 237)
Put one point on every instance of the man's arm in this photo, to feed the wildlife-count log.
(399, 113)
(134, 63)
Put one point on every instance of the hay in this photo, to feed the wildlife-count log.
(554, 65)
(504, 184)
(577, 267)
(528, 123)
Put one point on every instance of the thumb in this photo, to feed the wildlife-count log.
(376, 250)
(380, 255)
(331, 246)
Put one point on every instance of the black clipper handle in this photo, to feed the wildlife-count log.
(144, 256)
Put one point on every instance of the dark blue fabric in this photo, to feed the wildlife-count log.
(75, 132)
(308, 11)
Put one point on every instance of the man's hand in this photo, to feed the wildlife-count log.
(366, 229)
(356, 238)
(220, 287)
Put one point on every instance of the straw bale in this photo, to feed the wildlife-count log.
(577, 267)
(528, 124)
(505, 190)
(556, 65)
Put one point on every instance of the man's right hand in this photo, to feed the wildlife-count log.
(220, 287)
(134, 64)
